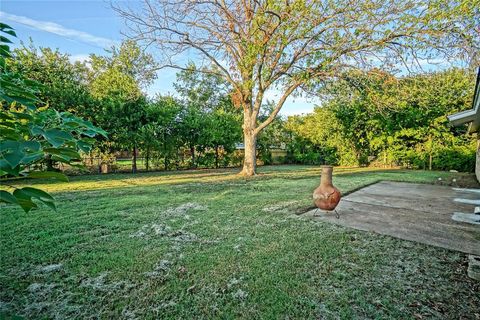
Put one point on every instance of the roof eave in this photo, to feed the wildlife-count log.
(471, 116)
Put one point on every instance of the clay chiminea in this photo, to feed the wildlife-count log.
(326, 196)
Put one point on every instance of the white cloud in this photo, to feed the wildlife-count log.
(60, 30)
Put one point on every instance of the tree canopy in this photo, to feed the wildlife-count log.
(259, 46)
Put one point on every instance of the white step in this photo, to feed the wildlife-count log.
(466, 217)
(467, 201)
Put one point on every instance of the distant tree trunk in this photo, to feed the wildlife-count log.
(216, 156)
(134, 160)
(50, 163)
(192, 151)
(182, 158)
(147, 158)
(430, 154)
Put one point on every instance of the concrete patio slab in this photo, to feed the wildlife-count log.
(409, 211)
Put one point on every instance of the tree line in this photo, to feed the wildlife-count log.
(366, 118)
(375, 118)
(197, 127)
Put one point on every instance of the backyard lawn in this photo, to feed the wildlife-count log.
(209, 244)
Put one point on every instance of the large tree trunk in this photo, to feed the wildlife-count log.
(134, 160)
(216, 156)
(250, 158)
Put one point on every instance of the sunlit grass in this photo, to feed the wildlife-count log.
(123, 180)
(210, 244)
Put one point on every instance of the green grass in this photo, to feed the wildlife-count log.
(208, 244)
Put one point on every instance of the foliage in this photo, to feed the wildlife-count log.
(208, 119)
(122, 74)
(394, 121)
(29, 135)
(64, 84)
(260, 46)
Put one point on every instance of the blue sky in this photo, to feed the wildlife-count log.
(89, 26)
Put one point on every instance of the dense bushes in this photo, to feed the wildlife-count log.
(378, 119)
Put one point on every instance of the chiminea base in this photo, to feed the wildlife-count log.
(326, 211)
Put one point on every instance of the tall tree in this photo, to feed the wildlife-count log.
(118, 79)
(262, 45)
(209, 120)
(162, 132)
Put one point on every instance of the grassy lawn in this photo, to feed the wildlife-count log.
(208, 244)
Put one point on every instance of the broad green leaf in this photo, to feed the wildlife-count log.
(32, 157)
(57, 137)
(5, 166)
(7, 197)
(41, 195)
(24, 200)
(31, 145)
(37, 193)
(64, 152)
(14, 156)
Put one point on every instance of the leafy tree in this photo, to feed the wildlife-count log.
(30, 134)
(162, 130)
(122, 74)
(259, 46)
(395, 120)
(225, 132)
(117, 80)
(64, 85)
(193, 130)
(209, 119)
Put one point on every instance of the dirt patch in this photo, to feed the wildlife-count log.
(289, 207)
(152, 229)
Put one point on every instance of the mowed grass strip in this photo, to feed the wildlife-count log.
(209, 244)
